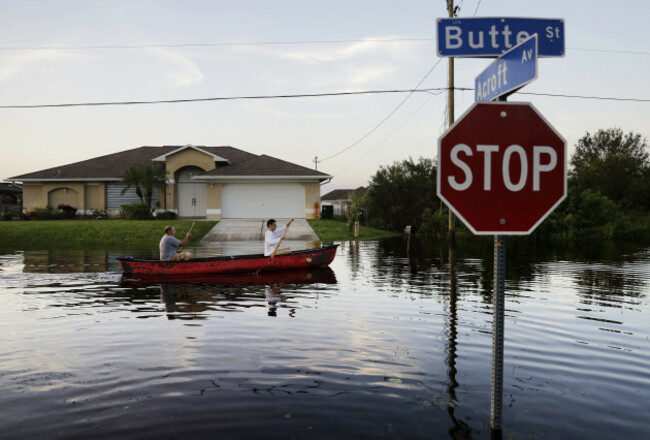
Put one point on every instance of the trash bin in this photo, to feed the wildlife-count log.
(327, 211)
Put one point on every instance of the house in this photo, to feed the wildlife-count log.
(202, 182)
(11, 198)
(341, 199)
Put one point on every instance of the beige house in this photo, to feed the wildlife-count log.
(202, 182)
(341, 199)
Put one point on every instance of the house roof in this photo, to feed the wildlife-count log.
(10, 187)
(163, 158)
(343, 194)
(113, 166)
(262, 166)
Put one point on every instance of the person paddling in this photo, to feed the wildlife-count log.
(169, 246)
(273, 237)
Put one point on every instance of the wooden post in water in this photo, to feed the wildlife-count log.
(450, 105)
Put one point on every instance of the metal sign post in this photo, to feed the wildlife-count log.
(498, 303)
(502, 168)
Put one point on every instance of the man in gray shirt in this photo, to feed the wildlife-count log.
(169, 246)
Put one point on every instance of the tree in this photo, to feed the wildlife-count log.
(398, 194)
(144, 179)
(615, 164)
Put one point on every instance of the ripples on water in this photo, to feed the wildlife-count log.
(380, 346)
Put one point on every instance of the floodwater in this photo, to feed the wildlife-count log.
(383, 344)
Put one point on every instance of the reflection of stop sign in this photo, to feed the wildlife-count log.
(502, 168)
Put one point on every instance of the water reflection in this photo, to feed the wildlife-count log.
(191, 296)
(397, 345)
(459, 429)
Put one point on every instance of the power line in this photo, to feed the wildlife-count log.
(273, 43)
(477, 6)
(221, 44)
(306, 95)
(225, 98)
(354, 162)
(602, 98)
(389, 115)
(628, 52)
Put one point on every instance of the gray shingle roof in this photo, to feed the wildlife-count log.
(113, 166)
(343, 194)
(10, 187)
(263, 166)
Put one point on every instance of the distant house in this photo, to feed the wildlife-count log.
(341, 199)
(202, 182)
(11, 198)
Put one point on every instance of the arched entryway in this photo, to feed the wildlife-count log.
(63, 196)
(191, 194)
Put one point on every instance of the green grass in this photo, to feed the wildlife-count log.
(333, 230)
(100, 234)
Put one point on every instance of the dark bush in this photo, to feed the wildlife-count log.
(136, 211)
(66, 212)
(6, 216)
(42, 214)
(166, 215)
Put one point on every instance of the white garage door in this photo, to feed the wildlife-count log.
(263, 200)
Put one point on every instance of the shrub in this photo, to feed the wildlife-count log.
(136, 211)
(66, 212)
(42, 214)
(6, 216)
(433, 224)
(166, 215)
(99, 214)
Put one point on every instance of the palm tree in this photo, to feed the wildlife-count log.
(144, 179)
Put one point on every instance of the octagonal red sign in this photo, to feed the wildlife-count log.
(502, 168)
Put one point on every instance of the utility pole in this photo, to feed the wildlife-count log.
(450, 105)
(316, 163)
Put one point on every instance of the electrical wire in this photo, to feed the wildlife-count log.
(387, 117)
(354, 162)
(274, 43)
(225, 98)
(602, 98)
(306, 95)
(477, 6)
(226, 43)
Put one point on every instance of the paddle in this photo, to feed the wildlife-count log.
(192, 227)
(281, 238)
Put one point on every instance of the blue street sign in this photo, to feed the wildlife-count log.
(491, 37)
(508, 73)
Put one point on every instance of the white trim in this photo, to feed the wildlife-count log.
(202, 177)
(163, 158)
(213, 211)
(72, 179)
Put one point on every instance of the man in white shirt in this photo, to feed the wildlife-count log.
(273, 237)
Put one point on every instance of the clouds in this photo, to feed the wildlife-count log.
(178, 70)
(18, 62)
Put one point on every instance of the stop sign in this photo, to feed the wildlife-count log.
(502, 168)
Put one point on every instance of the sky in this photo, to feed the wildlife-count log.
(97, 51)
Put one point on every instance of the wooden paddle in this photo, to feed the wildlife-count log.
(281, 238)
(181, 247)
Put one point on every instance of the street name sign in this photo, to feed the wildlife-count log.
(508, 73)
(502, 168)
(493, 36)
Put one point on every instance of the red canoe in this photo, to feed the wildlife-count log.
(237, 263)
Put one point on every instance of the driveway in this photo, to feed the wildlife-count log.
(254, 229)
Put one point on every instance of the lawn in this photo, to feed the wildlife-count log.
(101, 234)
(138, 234)
(333, 230)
